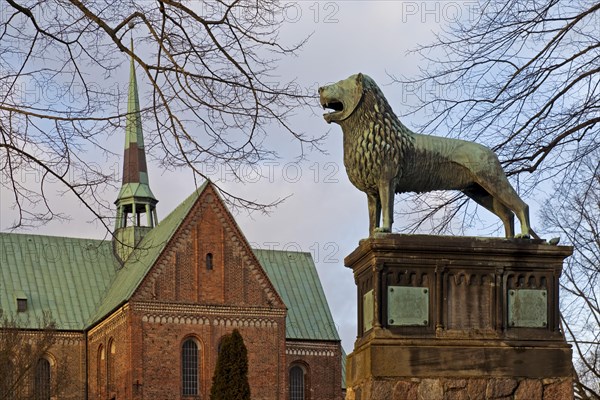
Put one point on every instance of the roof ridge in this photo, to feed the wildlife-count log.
(129, 277)
(308, 253)
(53, 236)
(164, 222)
(108, 240)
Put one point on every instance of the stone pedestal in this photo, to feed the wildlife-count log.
(443, 318)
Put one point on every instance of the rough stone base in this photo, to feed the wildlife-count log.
(462, 389)
(458, 318)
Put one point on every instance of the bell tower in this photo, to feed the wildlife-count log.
(136, 204)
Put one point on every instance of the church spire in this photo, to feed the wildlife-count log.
(135, 197)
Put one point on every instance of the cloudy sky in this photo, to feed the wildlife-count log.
(324, 215)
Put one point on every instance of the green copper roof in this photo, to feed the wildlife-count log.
(133, 128)
(143, 257)
(79, 281)
(137, 190)
(64, 276)
(135, 171)
(295, 278)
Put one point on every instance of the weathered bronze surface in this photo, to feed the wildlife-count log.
(368, 310)
(527, 308)
(383, 157)
(408, 306)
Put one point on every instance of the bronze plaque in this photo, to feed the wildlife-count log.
(408, 306)
(368, 310)
(528, 308)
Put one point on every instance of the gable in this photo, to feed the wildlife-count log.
(183, 274)
(80, 281)
(142, 259)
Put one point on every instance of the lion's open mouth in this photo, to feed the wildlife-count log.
(334, 105)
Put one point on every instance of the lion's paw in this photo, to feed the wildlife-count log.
(523, 236)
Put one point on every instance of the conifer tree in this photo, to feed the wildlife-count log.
(230, 380)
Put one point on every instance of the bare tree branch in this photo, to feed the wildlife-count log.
(207, 73)
(522, 77)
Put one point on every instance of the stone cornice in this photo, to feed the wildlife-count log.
(115, 320)
(299, 348)
(234, 322)
(59, 337)
(196, 310)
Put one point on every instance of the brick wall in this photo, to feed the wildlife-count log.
(109, 357)
(160, 346)
(66, 357)
(183, 297)
(180, 298)
(322, 364)
(67, 366)
(180, 275)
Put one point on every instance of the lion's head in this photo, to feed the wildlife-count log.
(344, 96)
(341, 97)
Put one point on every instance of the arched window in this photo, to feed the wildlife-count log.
(99, 368)
(189, 368)
(297, 383)
(42, 380)
(110, 365)
(209, 261)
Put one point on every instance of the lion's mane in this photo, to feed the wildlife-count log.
(374, 137)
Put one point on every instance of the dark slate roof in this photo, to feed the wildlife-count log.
(79, 281)
(295, 278)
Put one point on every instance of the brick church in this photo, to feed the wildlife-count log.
(141, 316)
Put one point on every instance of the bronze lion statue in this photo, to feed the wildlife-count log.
(383, 157)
